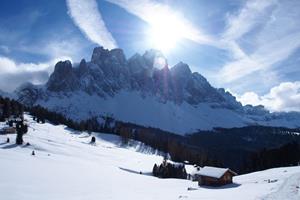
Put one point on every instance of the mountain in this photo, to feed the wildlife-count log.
(144, 90)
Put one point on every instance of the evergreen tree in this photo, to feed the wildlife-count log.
(21, 130)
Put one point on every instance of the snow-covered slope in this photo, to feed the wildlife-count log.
(66, 166)
(145, 91)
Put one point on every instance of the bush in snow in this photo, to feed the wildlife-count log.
(93, 140)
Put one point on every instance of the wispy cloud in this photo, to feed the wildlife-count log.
(284, 97)
(67, 46)
(87, 17)
(14, 73)
(270, 28)
(247, 18)
(153, 12)
(46, 51)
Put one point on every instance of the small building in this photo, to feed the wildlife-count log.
(8, 130)
(214, 176)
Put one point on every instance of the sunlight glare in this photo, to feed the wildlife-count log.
(165, 32)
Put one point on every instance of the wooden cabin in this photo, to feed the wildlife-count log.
(214, 176)
(8, 130)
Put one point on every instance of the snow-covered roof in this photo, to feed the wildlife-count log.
(214, 172)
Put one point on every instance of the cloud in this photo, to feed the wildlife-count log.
(14, 74)
(284, 97)
(249, 98)
(66, 47)
(56, 48)
(86, 16)
(261, 35)
(153, 12)
(248, 17)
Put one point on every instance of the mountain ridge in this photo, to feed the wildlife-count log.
(144, 90)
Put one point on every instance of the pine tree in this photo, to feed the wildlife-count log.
(21, 130)
(155, 170)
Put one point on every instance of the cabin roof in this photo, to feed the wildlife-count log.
(214, 172)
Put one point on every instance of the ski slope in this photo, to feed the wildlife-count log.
(66, 166)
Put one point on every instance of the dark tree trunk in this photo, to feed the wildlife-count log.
(19, 139)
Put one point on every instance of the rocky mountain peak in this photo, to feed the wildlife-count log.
(154, 59)
(102, 56)
(109, 72)
(82, 62)
(118, 55)
(82, 68)
(63, 67)
(63, 78)
(98, 54)
(181, 69)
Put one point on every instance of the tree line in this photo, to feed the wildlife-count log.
(283, 156)
(9, 107)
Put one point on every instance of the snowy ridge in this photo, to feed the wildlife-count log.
(66, 166)
(147, 111)
(145, 91)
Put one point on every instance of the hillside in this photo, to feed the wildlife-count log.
(66, 166)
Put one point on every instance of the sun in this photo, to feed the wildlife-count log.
(165, 32)
(163, 38)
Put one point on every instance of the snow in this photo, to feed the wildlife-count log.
(214, 172)
(288, 190)
(147, 111)
(66, 166)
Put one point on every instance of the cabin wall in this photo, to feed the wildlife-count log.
(210, 181)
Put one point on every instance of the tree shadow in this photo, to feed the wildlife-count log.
(10, 146)
(3, 143)
(136, 172)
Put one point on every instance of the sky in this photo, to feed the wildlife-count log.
(249, 47)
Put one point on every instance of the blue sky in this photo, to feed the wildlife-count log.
(250, 48)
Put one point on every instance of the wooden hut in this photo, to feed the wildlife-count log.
(214, 176)
(8, 130)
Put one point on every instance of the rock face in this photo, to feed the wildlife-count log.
(142, 90)
(108, 72)
(63, 78)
